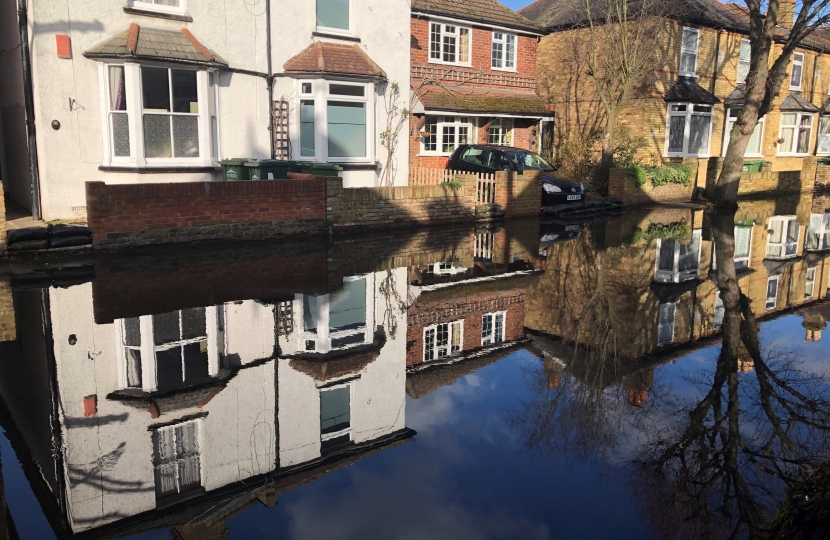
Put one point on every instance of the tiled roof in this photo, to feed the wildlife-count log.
(154, 44)
(686, 89)
(736, 98)
(794, 102)
(322, 57)
(481, 100)
(483, 11)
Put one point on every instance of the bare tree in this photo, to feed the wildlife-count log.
(623, 37)
(766, 75)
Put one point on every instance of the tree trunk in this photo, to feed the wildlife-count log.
(604, 169)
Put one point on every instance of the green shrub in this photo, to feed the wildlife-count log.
(636, 236)
(452, 184)
(639, 174)
(674, 173)
(676, 231)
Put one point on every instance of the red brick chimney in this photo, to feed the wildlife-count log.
(786, 13)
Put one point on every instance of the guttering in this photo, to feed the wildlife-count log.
(28, 96)
(445, 112)
(270, 78)
(456, 19)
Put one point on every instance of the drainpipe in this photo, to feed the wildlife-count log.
(28, 94)
(715, 72)
(270, 75)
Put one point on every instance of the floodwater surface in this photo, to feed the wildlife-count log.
(656, 374)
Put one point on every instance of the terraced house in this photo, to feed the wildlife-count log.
(686, 106)
(473, 75)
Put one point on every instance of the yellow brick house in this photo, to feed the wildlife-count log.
(685, 106)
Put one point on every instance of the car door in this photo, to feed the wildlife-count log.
(497, 161)
(474, 160)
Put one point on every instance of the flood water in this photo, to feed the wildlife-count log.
(656, 374)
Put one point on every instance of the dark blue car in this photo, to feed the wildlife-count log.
(486, 158)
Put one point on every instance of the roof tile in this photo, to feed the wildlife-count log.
(155, 44)
(322, 57)
(481, 100)
(486, 11)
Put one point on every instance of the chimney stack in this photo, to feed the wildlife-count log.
(786, 14)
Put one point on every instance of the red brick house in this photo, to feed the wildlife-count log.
(473, 75)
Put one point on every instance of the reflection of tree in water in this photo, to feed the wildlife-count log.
(714, 468)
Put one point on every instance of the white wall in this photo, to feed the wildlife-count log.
(71, 156)
(383, 27)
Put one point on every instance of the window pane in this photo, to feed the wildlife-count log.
(687, 62)
(796, 76)
(788, 119)
(754, 146)
(510, 54)
(347, 307)
(688, 255)
(498, 49)
(195, 362)
(133, 357)
(347, 129)
(185, 95)
(463, 135)
(194, 323)
(166, 328)
(118, 89)
(435, 41)
(333, 14)
(120, 134)
(347, 90)
(132, 332)
(788, 134)
(157, 136)
(310, 313)
(448, 138)
(307, 142)
(499, 329)
(665, 259)
(689, 40)
(449, 48)
(169, 368)
(464, 45)
(744, 59)
(699, 134)
(335, 410)
(677, 128)
(186, 136)
(155, 88)
(742, 238)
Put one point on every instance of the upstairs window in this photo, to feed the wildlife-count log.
(796, 132)
(818, 234)
(334, 16)
(797, 72)
(688, 52)
(442, 340)
(504, 51)
(449, 44)
(753, 149)
(744, 60)
(173, 7)
(492, 328)
(782, 241)
(823, 135)
(689, 130)
(176, 459)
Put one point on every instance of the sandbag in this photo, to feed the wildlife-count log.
(15, 236)
(28, 245)
(70, 230)
(69, 241)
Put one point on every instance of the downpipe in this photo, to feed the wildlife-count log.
(28, 95)
(270, 78)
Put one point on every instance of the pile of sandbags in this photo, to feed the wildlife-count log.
(50, 237)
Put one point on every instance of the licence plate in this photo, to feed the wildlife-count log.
(574, 197)
(572, 227)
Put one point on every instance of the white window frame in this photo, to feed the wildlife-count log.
(727, 134)
(453, 326)
(772, 301)
(823, 120)
(456, 33)
(440, 123)
(321, 96)
(798, 60)
(688, 113)
(676, 275)
(492, 338)
(505, 131)
(810, 283)
(198, 455)
(743, 260)
(797, 128)
(346, 431)
(742, 61)
(683, 50)
(338, 31)
(783, 244)
(503, 38)
(149, 5)
(149, 378)
(818, 233)
(206, 81)
(660, 323)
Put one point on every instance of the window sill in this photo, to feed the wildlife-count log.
(793, 155)
(323, 34)
(689, 75)
(158, 170)
(504, 70)
(158, 15)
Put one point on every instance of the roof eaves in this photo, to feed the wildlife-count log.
(528, 29)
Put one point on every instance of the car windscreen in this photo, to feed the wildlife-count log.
(528, 161)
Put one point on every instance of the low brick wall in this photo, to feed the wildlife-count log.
(624, 186)
(137, 214)
(519, 195)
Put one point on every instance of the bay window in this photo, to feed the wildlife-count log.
(336, 121)
(823, 135)
(688, 52)
(504, 51)
(171, 7)
(754, 148)
(689, 129)
(782, 241)
(158, 116)
(797, 71)
(445, 133)
(500, 132)
(449, 44)
(796, 132)
(334, 16)
(744, 58)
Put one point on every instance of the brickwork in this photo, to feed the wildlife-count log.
(8, 330)
(469, 309)
(564, 83)
(624, 186)
(138, 214)
(519, 195)
(2, 220)
(823, 174)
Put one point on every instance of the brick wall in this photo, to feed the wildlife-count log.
(769, 180)
(519, 195)
(623, 186)
(470, 309)
(2, 220)
(138, 214)
(8, 330)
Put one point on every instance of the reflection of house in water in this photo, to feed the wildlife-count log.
(190, 416)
